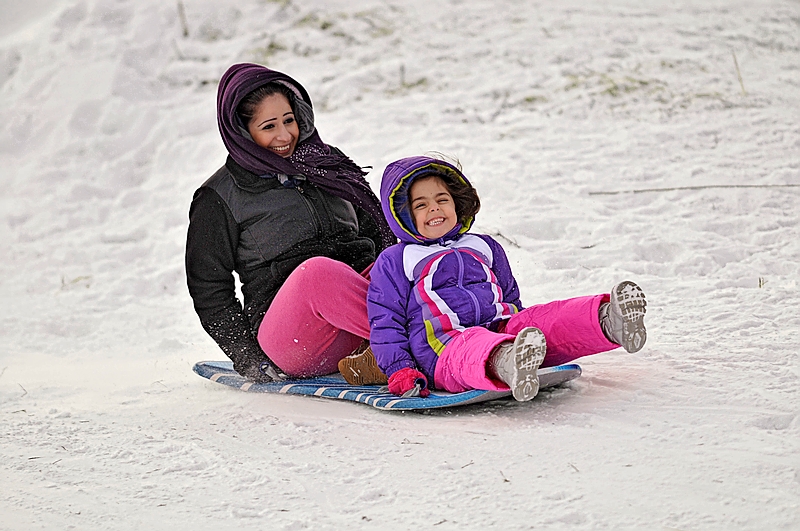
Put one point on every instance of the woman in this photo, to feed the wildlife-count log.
(297, 222)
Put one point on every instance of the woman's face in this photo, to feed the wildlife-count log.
(273, 125)
(433, 207)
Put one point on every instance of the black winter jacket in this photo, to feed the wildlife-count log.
(262, 230)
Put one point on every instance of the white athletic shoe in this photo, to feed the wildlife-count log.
(516, 364)
(622, 319)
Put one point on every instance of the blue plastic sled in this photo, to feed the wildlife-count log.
(335, 387)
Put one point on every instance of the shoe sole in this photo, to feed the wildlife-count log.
(629, 300)
(529, 351)
(362, 370)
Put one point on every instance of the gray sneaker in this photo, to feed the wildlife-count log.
(516, 364)
(622, 319)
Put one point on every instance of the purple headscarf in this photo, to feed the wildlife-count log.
(312, 159)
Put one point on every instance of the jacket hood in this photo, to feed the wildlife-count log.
(396, 182)
(325, 167)
(237, 82)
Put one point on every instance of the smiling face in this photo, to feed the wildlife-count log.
(433, 207)
(273, 125)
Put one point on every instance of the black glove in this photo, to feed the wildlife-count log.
(232, 333)
(260, 372)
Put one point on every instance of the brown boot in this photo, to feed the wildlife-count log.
(361, 368)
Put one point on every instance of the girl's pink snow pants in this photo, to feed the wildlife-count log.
(318, 317)
(571, 328)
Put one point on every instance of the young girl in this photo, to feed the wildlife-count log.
(444, 307)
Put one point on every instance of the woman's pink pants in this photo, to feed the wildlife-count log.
(318, 317)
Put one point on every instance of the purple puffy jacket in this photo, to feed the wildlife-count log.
(423, 293)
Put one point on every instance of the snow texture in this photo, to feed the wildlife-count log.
(647, 140)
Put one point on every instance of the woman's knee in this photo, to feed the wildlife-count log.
(320, 271)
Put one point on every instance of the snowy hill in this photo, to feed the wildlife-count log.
(613, 140)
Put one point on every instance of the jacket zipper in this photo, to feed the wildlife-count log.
(472, 296)
(311, 210)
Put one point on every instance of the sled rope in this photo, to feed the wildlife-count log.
(707, 187)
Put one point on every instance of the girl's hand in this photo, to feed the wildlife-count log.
(404, 380)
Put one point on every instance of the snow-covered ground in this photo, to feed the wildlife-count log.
(558, 111)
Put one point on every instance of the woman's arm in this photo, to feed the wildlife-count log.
(369, 229)
(387, 300)
(210, 257)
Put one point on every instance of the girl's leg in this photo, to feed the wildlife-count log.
(462, 363)
(571, 328)
(318, 317)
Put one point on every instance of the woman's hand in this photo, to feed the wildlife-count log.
(258, 371)
(406, 380)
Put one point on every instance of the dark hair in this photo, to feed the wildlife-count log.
(465, 196)
(247, 107)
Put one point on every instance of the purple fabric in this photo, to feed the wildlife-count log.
(313, 159)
